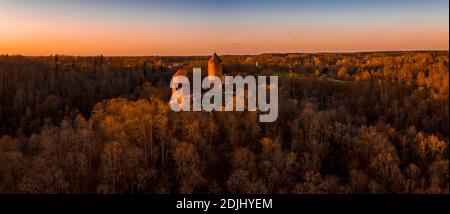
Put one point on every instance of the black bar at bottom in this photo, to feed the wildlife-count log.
(148, 203)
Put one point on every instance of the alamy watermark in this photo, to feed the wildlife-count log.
(186, 99)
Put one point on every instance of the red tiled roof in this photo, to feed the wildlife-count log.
(181, 72)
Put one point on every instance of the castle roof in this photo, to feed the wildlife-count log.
(181, 72)
(215, 59)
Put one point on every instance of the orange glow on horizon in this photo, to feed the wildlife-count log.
(122, 45)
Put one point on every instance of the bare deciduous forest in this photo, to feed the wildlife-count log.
(348, 123)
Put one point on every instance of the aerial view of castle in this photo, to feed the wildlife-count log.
(302, 97)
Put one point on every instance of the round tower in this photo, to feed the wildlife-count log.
(214, 66)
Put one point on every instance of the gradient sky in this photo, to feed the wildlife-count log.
(200, 27)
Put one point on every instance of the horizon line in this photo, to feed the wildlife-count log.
(244, 54)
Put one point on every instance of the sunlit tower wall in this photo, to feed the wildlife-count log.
(214, 67)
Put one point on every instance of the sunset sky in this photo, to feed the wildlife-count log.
(200, 27)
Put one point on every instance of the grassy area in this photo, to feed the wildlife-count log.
(285, 74)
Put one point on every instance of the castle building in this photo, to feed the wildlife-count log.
(175, 76)
(214, 69)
